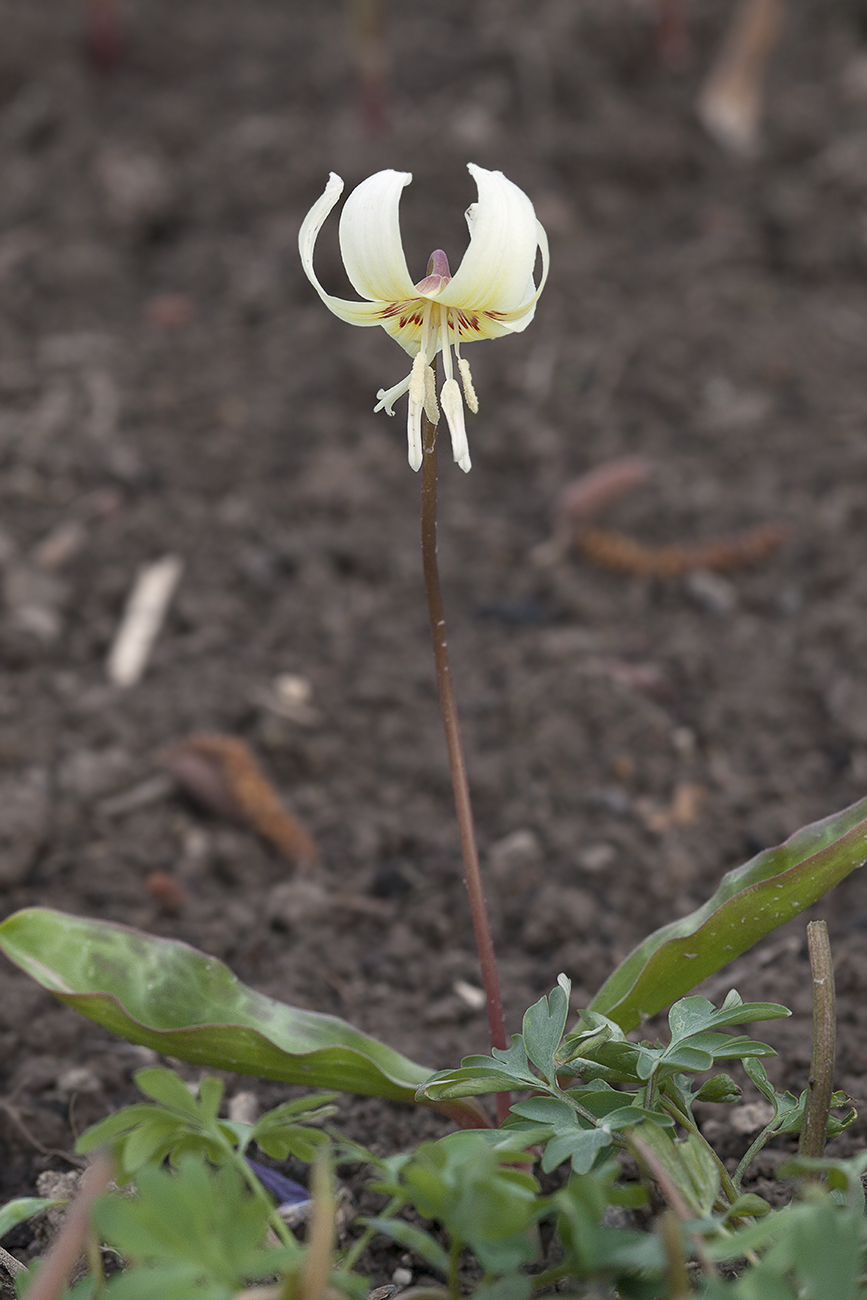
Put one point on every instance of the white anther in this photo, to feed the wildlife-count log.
(431, 410)
(467, 381)
(416, 379)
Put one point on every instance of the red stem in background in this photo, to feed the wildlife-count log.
(472, 871)
(104, 41)
(672, 34)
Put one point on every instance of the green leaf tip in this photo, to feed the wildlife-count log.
(751, 902)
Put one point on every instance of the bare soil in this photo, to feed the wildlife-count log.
(170, 384)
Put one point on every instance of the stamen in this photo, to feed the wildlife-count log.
(447, 349)
(429, 332)
(431, 410)
(467, 382)
(416, 379)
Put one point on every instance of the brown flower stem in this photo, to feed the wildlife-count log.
(472, 871)
(814, 1131)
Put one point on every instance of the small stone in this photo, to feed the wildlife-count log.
(473, 996)
(752, 1116)
(596, 857)
(244, 1108)
(446, 1011)
(515, 862)
(712, 592)
(34, 601)
(54, 1185)
(559, 913)
(78, 1079)
(90, 774)
(25, 804)
(401, 1277)
(296, 902)
(137, 186)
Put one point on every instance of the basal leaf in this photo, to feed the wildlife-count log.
(15, 1212)
(175, 999)
(751, 901)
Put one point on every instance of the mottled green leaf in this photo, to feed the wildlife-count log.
(751, 901)
(171, 997)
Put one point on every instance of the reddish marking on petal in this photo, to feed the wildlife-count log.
(408, 310)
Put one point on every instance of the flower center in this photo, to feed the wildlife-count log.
(438, 273)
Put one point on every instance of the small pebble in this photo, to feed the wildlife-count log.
(751, 1117)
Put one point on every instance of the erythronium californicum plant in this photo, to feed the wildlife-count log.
(591, 1092)
(492, 293)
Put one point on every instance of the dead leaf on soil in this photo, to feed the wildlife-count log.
(614, 550)
(684, 809)
(586, 496)
(221, 773)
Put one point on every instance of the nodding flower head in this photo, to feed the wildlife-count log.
(490, 294)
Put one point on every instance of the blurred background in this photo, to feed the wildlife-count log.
(650, 696)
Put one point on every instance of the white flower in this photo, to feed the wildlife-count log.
(492, 292)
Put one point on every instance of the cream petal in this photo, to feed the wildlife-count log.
(405, 327)
(370, 242)
(499, 262)
(517, 320)
(357, 313)
(476, 325)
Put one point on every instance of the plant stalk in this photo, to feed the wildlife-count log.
(818, 1105)
(472, 871)
(685, 1117)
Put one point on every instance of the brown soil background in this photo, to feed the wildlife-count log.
(169, 383)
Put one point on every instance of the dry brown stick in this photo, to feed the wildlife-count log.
(613, 550)
(51, 1280)
(12, 1265)
(730, 103)
(321, 1234)
(814, 1131)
